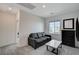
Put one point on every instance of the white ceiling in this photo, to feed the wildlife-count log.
(8, 8)
(52, 8)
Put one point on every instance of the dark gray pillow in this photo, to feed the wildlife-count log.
(39, 35)
(34, 35)
(43, 34)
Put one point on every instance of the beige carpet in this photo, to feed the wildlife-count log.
(13, 50)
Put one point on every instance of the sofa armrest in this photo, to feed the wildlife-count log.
(32, 42)
(32, 39)
(48, 35)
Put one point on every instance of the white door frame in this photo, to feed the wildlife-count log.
(17, 26)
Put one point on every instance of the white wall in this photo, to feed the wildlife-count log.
(46, 26)
(7, 28)
(61, 17)
(29, 24)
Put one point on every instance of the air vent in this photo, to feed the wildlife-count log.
(28, 5)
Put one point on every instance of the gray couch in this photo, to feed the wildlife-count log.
(38, 39)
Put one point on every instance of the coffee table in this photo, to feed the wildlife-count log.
(54, 44)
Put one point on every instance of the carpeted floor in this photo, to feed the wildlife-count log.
(13, 50)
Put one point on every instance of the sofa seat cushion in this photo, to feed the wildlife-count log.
(41, 39)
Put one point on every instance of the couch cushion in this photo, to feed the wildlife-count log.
(34, 35)
(41, 39)
(43, 34)
(39, 35)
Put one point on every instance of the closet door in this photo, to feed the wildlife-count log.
(7, 29)
(68, 38)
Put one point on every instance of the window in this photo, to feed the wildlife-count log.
(54, 27)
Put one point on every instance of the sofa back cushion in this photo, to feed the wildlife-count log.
(34, 35)
(40, 34)
(37, 35)
(43, 34)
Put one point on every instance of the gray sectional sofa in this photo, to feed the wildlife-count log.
(38, 39)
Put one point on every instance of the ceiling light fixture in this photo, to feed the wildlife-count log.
(44, 6)
(10, 8)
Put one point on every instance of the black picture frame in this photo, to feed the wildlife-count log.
(67, 20)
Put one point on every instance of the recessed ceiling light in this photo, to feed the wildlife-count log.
(44, 6)
(10, 8)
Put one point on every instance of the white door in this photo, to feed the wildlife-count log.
(7, 29)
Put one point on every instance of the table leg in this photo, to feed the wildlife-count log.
(53, 50)
(61, 45)
(57, 51)
(47, 47)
